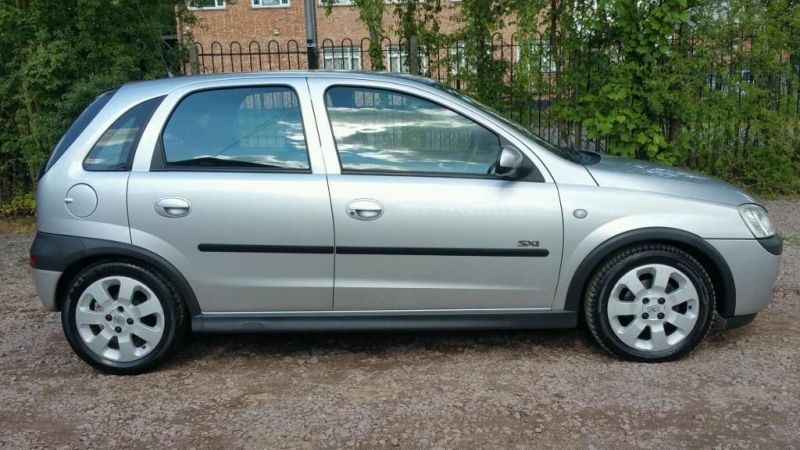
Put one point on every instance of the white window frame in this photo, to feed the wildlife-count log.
(345, 53)
(548, 65)
(338, 3)
(457, 50)
(399, 53)
(218, 4)
(281, 4)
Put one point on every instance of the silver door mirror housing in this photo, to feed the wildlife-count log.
(511, 163)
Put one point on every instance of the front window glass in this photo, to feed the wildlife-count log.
(388, 131)
(569, 154)
(252, 127)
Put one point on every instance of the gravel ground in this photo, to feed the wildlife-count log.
(450, 390)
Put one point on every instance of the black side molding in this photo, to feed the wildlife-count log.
(394, 321)
(710, 255)
(69, 254)
(772, 244)
(429, 251)
(416, 251)
(238, 248)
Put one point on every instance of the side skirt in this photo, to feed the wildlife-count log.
(381, 321)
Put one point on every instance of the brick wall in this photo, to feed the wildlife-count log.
(241, 37)
(242, 22)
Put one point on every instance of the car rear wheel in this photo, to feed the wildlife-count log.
(122, 318)
(650, 303)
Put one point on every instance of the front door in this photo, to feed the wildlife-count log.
(420, 224)
(231, 200)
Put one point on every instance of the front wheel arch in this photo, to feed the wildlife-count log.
(691, 243)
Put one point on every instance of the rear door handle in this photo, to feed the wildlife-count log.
(364, 209)
(173, 207)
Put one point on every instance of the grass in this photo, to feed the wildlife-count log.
(18, 225)
(791, 240)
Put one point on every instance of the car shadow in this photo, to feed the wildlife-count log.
(382, 344)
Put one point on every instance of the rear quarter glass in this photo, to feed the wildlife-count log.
(77, 128)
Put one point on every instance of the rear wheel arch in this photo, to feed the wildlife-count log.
(96, 250)
(691, 243)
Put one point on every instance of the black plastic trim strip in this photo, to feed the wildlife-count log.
(534, 176)
(415, 251)
(427, 251)
(739, 321)
(70, 254)
(772, 244)
(246, 248)
(384, 322)
(726, 299)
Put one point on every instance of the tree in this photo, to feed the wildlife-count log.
(370, 12)
(54, 60)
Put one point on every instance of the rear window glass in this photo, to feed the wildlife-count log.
(114, 150)
(78, 126)
(257, 127)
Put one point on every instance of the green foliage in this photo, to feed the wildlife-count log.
(711, 85)
(370, 12)
(56, 57)
(417, 27)
(19, 205)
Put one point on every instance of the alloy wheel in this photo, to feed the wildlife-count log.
(653, 307)
(119, 318)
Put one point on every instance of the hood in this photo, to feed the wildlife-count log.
(623, 173)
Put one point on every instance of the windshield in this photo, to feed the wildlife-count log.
(571, 154)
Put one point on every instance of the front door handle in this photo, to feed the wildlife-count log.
(364, 209)
(173, 207)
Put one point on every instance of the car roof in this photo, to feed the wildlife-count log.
(161, 86)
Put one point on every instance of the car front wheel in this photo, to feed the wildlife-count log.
(650, 303)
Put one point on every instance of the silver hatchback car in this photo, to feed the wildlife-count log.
(316, 201)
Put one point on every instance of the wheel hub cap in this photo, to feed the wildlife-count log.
(119, 318)
(653, 307)
(652, 310)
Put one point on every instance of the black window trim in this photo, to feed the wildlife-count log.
(159, 160)
(135, 144)
(58, 151)
(535, 174)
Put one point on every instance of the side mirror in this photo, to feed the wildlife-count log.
(511, 163)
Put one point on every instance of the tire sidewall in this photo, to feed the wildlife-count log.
(165, 297)
(690, 268)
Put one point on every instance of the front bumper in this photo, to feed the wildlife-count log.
(46, 282)
(754, 269)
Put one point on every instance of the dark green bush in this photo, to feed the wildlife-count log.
(19, 205)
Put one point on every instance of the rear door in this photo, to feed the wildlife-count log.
(419, 223)
(235, 196)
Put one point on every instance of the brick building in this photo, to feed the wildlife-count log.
(229, 33)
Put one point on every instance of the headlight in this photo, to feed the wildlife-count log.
(757, 220)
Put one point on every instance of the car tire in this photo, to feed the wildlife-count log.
(122, 317)
(650, 303)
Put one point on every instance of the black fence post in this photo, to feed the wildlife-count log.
(313, 61)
